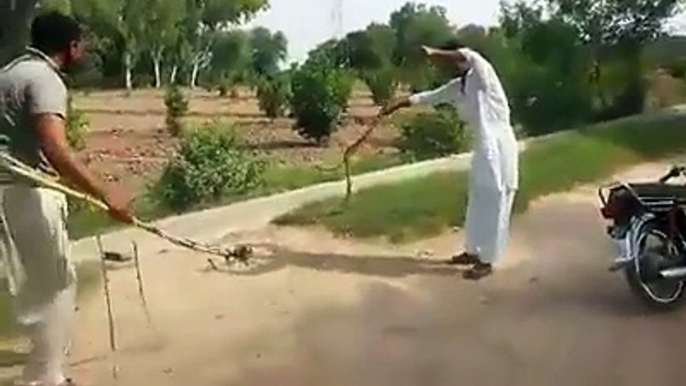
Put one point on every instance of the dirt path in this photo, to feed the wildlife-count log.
(346, 314)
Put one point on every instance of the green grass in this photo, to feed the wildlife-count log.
(85, 222)
(88, 275)
(426, 206)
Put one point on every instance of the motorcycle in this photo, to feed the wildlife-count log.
(648, 224)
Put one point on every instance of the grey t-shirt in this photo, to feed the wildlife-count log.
(29, 86)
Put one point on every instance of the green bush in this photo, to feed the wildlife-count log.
(273, 95)
(210, 164)
(77, 124)
(677, 68)
(545, 101)
(345, 82)
(318, 95)
(433, 134)
(382, 84)
(177, 107)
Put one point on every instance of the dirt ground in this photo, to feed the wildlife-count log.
(127, 141)
(325, 311)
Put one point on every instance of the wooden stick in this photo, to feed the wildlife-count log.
(108, 301)
(349, 151)
(139, 279)
(239, 253)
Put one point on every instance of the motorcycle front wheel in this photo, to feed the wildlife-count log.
(655, 252)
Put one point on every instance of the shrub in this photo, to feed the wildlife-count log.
(433, 134)
(382, 84)
(210, 164)
(273, 95)
(345, 82)
(543, 101)
(319, 92)
(177, 107)
(677, 68)
(77, 123)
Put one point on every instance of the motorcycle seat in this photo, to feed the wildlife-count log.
(658, 191)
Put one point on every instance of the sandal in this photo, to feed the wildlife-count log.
(464, 259)
(479, 271)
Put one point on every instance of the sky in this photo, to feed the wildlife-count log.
(307, 23)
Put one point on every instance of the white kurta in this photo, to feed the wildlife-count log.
(494, 177)
(42, 279)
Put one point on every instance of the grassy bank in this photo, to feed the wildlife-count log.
(86, 222)
(427, 206)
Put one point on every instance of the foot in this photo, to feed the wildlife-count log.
(479, 271)
(464, 259)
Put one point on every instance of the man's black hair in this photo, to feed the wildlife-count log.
(452, 44)
(53, 32)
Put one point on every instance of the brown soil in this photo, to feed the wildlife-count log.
(127, 141)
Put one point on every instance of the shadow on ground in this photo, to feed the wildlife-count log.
(379, 266)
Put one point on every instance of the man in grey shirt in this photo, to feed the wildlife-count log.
(33, 104)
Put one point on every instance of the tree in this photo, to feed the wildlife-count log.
(332, 51)
(205, 18)
(161, 29)
(14, 28)
(273, 94)
(317, 101)
(230, 59)
(617, 30)
(416, 25)
(369, 49)
(544, 66)
(268, 50)
(123, 20)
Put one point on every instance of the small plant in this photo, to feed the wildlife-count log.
(433, 134)
(177, 107)
(273, 95)
(319, 94)
(382, 84)
(211, 164)
(77, 124)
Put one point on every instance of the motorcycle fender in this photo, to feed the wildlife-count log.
(627, 246)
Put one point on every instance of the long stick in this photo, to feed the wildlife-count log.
(345, 162)
(241, 253)
(349, 151)
(108, 301)
(139, 278)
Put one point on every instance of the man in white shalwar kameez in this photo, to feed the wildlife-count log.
(478, 95)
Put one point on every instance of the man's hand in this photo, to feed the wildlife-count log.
(395, 105)
(428, 51)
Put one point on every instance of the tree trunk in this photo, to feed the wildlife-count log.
(194, 74)
(157, 62)
(174, 73)
(128, 69)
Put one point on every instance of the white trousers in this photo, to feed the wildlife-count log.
(41, 276)
(488, 221)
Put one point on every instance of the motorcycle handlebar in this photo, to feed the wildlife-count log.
(676, 171)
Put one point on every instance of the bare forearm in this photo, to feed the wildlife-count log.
(76, 173)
